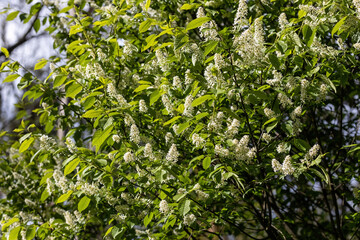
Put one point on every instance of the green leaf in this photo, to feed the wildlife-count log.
(150, 40)
(37, 25)
(92, 113)
(73, 90)
(26, 144)
(338, 25)
(200, 100)
(45, 194)
(64, 197)
(100, 137)
(155, 96)
(59, 80)
(197, 23)
(141, 87)
(30, 232)
(108, 231)
(41, 63)
(187, 6)
(274, 61)
(206, 162)
(148, 219)
(172, 120)
(8, 223)
(145, 25)
(183, 126)
(14, 233)
(66, 9)
(184, 207)
(45, 177)
(201, 115)
(84, 203)
(147, 4)
(328, 81)
(211, 46)
(301, 145)
(71, 166)
(12, 16)
(11, 78)
(5, 51)
(269, 121)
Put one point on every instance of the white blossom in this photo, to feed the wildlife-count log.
(116, 138)
(197, 140)
(173, 154)
(134, 134)
(267, 137)
(164, 207)
(189, 219)
(276, 165)
(187, 105)
(287, 167)
(148, 151)
(142, 106)
(241, 14)
(283, 22)
(129, 157)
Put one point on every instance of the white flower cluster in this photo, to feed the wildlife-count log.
(188, 77)
(168, 105)
(200, 194)
(169, 138)
(315, 15)
(116, 138)
(197, 140)
(233, 129)
(311, 155)
(219, 61)
(208, 29)
(276, 81)
(70, 145)
(189, 219)
(60, 181)
(173, 154)
(241, 15)
(164, 207)
(281, 148)
(129, 157)
(142, 106)
(269, 113)
(134, 134)
(46, 142)
(148, 152)
(209, 76)
(177, 82)
(267, 137)
(129, 48)
(323, 50)
(286, 168)
(215, 123)
(162, 60)
(303, 92)
(221, 151)
(283, 22)
(113, 93)
(357, 6)
(187, 105)
(284, 100)
(250, 44)
(357, 45)
(296, 113)
(241, 149)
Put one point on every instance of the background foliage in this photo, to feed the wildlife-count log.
(186, 119)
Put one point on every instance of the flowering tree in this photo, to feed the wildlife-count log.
(187, 120)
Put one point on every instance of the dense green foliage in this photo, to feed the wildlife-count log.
(177, 119)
